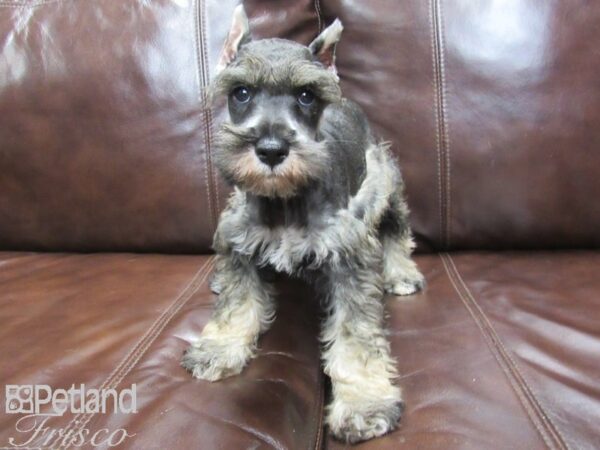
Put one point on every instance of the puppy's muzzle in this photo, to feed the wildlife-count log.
(272, 150)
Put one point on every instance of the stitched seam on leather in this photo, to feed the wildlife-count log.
(140, 348)
(435, 110)
(200, 75)
(320, 406)
(319, 410)
(446, 133)
(538, 417)
(497, 357)
(208, 116)
(319, 14)
(149, 337)
(512, 363)
(441, 127)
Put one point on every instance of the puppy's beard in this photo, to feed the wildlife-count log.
(285, 179)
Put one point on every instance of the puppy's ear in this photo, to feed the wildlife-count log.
(239, 34)
(323, 47)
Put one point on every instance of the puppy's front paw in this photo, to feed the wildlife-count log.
(407, 284)
(212, 360)
(361, 419)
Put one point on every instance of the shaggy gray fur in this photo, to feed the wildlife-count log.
(331, 210)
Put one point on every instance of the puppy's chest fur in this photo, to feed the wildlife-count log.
(292, 235)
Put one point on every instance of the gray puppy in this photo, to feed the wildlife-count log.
(314, 196)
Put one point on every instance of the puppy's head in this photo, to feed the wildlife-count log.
(276, 91)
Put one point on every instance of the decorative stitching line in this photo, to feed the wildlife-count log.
(140, 348)
(497, 357)
(197, 5)
(508, 355)
(536, 413)
(440, 106)
(437, 118)
(446, 135)
(208, 117)
(319, 15)
(319, 408)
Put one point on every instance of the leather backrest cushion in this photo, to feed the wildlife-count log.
(493, 109)
(100, 141)
(104, 137)
(105, 143)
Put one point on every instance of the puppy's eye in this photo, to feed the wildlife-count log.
(241, 94)
(306, 97)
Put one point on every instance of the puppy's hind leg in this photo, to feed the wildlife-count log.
(400, 273)
(244, 309)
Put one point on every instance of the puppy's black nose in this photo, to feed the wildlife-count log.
(272, 150)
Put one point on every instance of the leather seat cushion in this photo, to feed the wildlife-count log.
(108, 320)
(501, 351)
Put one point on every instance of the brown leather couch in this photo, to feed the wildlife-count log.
(108, 199)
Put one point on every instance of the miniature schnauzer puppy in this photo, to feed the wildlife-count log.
(315, 196)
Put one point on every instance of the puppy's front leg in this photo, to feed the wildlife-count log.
(244, 309)
(365, 403)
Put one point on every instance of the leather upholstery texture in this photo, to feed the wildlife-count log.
(499, 353)
(114, 320)
(109, 199)
(106, 141)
